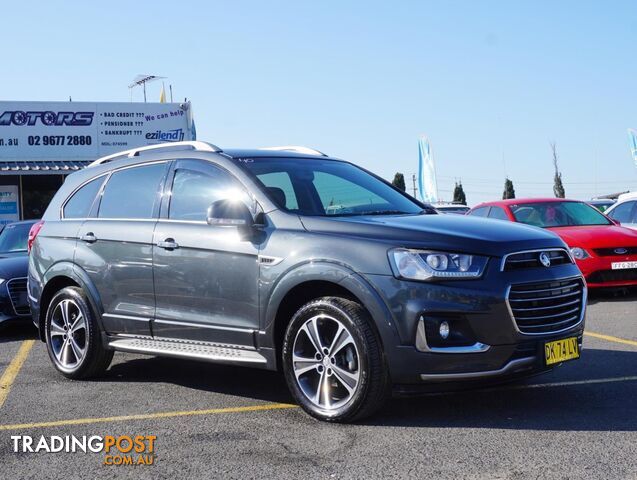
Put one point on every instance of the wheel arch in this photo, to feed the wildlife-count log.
(62, 275)
(306, 283)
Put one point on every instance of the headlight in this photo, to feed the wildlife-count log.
(579, 253)
(426, 265)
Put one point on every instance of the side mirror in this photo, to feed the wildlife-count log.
(228, 213)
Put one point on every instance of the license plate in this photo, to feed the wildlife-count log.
(623, 265)
(561, 350)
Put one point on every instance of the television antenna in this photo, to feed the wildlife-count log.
(142, 80)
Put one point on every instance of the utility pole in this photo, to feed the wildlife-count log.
(413, 179)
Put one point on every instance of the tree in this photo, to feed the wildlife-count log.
(558, 187)
(399, 181)
(458, 194)
(509, 191)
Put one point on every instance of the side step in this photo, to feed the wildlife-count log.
(211, 352)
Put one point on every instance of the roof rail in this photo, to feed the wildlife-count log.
(295, 148)
(134, 152)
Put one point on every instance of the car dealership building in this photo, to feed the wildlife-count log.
(43, 142)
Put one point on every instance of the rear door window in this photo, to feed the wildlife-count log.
(132, 192)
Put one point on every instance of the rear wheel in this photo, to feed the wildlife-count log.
(72, 336)
(333, 361)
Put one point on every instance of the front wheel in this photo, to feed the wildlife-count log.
(72, 336)
(333, 361)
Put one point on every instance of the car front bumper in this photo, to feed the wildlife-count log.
(8, 313)
(599, 273)
(495, 348)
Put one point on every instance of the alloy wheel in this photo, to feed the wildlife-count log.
(326, 362)
(68, 335)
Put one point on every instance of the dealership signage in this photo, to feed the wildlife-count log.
(9, 204)
(83, 130)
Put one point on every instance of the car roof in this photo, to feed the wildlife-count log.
(516, 201)
(260, 153)
(627, 196)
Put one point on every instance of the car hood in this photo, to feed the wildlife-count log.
(13, 266)
(448, 232)
(597, 236)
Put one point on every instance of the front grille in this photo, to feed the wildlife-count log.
(603, 276)
(516, 261)
(19, 298)
(616, 251)
(547, 307)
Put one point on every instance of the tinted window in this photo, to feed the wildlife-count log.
(280, 181)
(331, 188)
(132, 192)
(480, 212)
(623, 212)
(79, 205)
(498, 213)
(558, 214)
(14, 237)
(194, 191)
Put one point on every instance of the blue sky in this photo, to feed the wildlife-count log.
(491, 83)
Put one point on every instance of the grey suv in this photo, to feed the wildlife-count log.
(288, 259)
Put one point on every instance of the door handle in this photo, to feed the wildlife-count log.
(89, 237)
(168, 244)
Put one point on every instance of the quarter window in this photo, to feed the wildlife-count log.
(498, 213)
(480, 212)
(80, 203)
(132, 192)
(194, 191)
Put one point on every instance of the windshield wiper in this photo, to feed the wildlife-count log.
(373, 212)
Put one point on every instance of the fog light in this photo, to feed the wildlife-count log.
(444, 330)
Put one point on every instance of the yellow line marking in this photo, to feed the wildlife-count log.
(610, 338)
(10, 374)
(148, 416)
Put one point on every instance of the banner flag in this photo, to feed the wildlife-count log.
(427, 185)
(632, 138)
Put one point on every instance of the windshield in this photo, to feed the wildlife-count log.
(558, 214)
(14, 237)
(328, 188)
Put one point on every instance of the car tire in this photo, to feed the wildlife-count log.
(80, 353)
(331, 342)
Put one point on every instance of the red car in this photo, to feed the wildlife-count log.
(605, 252)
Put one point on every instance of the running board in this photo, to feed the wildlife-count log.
(193, 350)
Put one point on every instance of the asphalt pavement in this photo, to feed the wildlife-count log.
(578, 421)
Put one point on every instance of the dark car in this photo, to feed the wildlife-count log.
(14, 263)
(280, 259)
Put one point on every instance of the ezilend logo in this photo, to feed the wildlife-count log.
(176, 135)
(19, 118)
